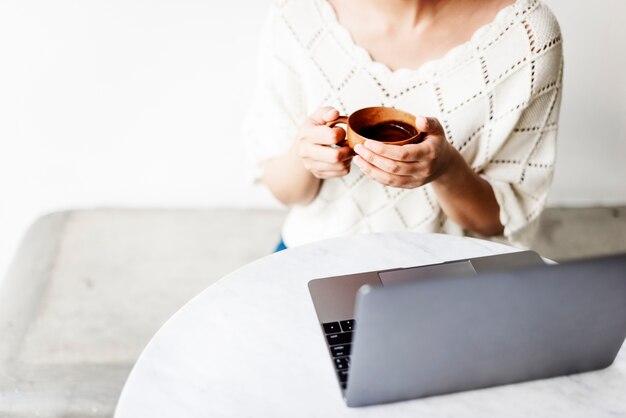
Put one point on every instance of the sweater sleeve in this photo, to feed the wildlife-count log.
(276, 107)
(520, 166)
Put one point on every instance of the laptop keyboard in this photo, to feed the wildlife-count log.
(339, 339)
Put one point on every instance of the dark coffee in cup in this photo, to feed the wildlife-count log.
(385, 124)
(389, 131)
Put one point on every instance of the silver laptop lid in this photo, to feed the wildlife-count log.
(435, 336)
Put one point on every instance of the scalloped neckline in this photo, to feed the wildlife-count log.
(431, 65)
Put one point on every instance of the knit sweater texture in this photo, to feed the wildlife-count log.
(497, 97)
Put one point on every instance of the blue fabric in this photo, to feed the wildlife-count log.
(281, 246)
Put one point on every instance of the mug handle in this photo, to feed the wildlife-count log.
(340, 119)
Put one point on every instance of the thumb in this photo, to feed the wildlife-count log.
(429, 125)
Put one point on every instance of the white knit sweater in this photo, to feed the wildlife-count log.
(497, 96)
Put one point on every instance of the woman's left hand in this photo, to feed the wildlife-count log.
(408, 166)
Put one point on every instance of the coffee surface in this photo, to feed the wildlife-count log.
(389, 131)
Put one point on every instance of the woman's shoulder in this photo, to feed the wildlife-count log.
(525, 38)
(544, 52)
(301, 21)
(540, 23)
(525, 21)
(298, 12)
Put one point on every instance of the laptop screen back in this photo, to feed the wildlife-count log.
(442, 335)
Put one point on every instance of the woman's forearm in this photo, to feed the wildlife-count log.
(288, 180)
(468, 199)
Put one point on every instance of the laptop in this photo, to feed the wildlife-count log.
(467, 324)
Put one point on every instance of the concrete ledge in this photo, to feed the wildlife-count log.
(88, 289)
(27, 280)
(569, 233)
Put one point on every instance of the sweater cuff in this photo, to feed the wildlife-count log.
(519, 226)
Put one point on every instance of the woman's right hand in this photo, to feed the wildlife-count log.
(317, 145)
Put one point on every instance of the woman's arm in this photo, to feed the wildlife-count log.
(288, 180)
(295, 177)
(468, 199)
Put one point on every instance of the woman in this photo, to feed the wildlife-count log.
(487, 75)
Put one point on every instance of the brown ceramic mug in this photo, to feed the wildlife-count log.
(384, 124)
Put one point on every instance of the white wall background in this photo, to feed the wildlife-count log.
(137, 103)
(591, 166)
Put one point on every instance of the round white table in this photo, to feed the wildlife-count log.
(250, 346)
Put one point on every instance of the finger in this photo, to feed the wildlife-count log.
(323, 115)
(326, 174)
(324, 135)
(383, 177)
(429, 125)
(325, 153)
(406, 153)
(388, 165)
(314, 165)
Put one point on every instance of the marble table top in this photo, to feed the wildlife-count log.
(250, 345)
